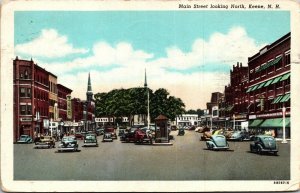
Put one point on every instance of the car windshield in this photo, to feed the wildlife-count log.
(67, 139)
(90, 137)
(268, 138)
(23, 136)
(107, 135)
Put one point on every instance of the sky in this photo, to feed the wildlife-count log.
(190, 53)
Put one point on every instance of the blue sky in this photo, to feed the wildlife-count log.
(178, 45)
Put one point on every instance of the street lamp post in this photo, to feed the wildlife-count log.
(234, 122)
(283, 125)
(211, 123)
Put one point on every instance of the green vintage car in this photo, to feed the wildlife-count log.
(90, 140)
(263, 144)
(68, 143)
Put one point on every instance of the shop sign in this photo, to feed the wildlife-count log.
(69, 107)
(240, 117)
(25, 119)
(46, 123)
(268, 115)
(215, 111)
(252, 116)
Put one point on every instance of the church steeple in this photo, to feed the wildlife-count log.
(145, 84)
(89, 92)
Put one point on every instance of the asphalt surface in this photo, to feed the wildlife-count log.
(186, 159)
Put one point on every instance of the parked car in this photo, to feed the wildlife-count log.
(173, 127)
(239, 136)
(128, 137)
(217, 142)
(206, 136)
(112, 131)
(107, 137)
(79, 135)
(121, 132)
(99, 131)
(143, 137)
(264, 143)
(68, 143)
(181, 132)
(45, 141)
(25, 139)
(90, 140)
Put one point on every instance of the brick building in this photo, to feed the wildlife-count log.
(63, 93)
(235, 98)
(31, 98)
(53, 106)
(268, 89)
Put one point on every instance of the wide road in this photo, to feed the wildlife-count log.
(187, 159)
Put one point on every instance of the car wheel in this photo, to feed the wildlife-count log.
(275, 153)
(208, 146)
(259, 150)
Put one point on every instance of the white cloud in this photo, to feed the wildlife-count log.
(194, 88)
(49, 44)
(220, 48)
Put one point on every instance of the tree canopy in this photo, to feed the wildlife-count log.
(133, 101)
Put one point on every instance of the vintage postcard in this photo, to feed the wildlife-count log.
(149, 96)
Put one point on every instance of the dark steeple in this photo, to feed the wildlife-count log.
(89, 92)
(145, 84)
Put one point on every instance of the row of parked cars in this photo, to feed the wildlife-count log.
(260, 144)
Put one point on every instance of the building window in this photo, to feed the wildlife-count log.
(28, 92)
(21, 76)
(28, 109)
(278, 65)
(22, 92)
(23, 109)
(287, 59)
(26, 74)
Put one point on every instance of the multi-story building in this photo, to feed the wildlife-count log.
(53, 106)
(62, 93)
(31, 101)
(234, 108)
(214, 101)
(268, 89)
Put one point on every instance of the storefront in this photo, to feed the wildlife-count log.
(271, 125)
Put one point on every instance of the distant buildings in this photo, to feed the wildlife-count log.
(40, 103)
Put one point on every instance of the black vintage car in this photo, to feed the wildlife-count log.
(181, 131)
(264, 143)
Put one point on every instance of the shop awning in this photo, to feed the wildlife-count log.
(268, 83)
(286, 76)
(254, 87)
(271, 63)
(249, 89)
(275, 80)
(277, 122)
(261, 85)
(277, 99)
(255, 123)
(285, 98)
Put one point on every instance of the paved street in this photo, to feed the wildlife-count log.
(187, 159)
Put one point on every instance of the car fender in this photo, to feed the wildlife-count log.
(210, 143)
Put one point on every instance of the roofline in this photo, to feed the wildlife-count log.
(270, 46)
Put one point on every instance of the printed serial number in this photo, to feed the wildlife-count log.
(281, 182)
